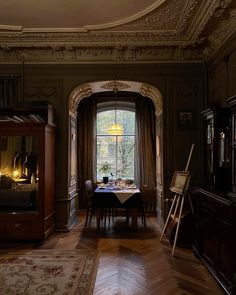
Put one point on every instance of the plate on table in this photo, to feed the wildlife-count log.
(133, 187)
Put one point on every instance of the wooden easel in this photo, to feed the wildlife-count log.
(178, 199)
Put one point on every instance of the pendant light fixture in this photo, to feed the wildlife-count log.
(115, 129)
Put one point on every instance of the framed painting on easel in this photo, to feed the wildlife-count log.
(179, 182)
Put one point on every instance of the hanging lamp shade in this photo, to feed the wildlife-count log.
(115, 129)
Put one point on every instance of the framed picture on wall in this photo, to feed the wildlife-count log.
(186, 120)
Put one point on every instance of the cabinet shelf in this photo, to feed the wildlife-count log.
(27, 179)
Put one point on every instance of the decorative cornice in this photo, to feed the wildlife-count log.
(166, 31)
(106, 54)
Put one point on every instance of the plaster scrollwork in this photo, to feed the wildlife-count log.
(154, 94)
(118, 53)
(224, 30)
(185, 22)
(164, 34)
(73, 150)
(41, 91)
(119, 86)
(164, 18)
(86, 90)
(173, 23)
(77, 95)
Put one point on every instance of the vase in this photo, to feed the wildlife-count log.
(105, 179)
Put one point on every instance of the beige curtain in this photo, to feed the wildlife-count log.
(145, 149)
(86, 145)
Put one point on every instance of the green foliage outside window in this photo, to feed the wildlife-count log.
(118, 151)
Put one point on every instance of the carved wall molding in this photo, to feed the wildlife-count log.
(154, 94)
(100, 54)
(86, 90)
(72, 151)
(41, 91)
(118, 86)
(77, 95)
(219, 36)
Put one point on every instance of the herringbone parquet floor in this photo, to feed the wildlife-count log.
(135, 263)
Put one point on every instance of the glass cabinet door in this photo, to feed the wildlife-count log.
(19, 173)
(209, 151)
(233, 152)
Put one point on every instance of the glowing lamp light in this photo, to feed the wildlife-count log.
(15, 174)
(115, 129)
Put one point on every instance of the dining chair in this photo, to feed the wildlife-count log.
(89, 191)
(144, 194)
(142, 209)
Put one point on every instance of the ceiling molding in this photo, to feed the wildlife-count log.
(164, 31)
(126, 20)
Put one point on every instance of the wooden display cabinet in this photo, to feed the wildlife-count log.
(27, 179)
(215, 202)
(232, 104)
(216, 148)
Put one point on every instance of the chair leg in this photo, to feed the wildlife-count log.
(105, 217)
(91, 214)
(87, 216)
(127, 216)
(144, 218)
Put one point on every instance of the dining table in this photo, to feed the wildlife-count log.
(112, 196)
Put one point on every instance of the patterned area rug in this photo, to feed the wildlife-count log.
(48, 272)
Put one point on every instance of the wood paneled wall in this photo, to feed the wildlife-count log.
(182, 88)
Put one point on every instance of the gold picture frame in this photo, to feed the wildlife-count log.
(180, 182)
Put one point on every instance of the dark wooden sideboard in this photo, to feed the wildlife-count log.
(215, 235)
(214, 202)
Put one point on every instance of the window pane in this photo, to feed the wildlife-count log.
(125, 118)
(105, 119)
(125, 157)
(106, 152)
(116, 150)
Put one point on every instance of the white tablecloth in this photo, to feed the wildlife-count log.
(124, 195)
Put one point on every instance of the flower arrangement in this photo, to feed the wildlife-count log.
(105, 168)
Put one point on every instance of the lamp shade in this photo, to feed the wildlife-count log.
(115, 129)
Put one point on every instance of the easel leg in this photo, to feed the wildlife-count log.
(176, 207)
(178, 223)
(168, 217)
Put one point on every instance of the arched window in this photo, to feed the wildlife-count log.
(117, 150)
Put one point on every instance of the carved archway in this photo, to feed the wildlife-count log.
(85, 90)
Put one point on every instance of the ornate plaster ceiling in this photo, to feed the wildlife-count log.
(113, 31)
